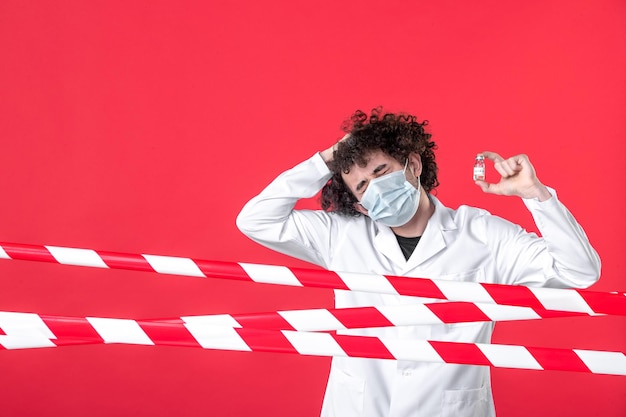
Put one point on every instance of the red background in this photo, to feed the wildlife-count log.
(144, 126)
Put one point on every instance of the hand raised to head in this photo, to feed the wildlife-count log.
(328, 153)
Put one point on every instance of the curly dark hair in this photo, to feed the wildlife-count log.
(397, 135)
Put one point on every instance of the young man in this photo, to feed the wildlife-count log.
(379, 217)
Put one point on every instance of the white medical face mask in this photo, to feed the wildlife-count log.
(391, 199)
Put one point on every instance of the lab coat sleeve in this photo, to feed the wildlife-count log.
(561, 258)
(270, 218)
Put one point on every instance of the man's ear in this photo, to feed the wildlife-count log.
(358, 207)
(415, 164)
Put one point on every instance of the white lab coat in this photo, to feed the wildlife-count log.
(467, 244)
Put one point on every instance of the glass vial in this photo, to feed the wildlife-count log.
(479, 168)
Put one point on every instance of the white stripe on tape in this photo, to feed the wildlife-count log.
(307, 343)
(24, 330)
(464, 291)
(25, 342)
(174, 265)
(613, 363)
(26, 324)
(417, 350)
(76, 256)
(312, 320)
(217, 337)
(410, 314)
(502, 312)
(271, 274)
(3, 254)
(119, 331)
(367, 282)
(509, 356)
(564, 300)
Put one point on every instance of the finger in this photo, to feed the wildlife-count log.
(501, 169)
(520, 159)
(524, 163)
(509, 166)
(492, 156)
(520, 163)
(498, 160)
(488, 187)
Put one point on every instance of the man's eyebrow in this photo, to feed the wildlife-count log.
(376, 170)
(379, 168)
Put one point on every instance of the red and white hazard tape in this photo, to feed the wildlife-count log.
(320, 319)
(589, 302)
(25, 330)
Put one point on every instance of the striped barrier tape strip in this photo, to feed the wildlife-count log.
(582, 301)
(27, 330)
(377, 316)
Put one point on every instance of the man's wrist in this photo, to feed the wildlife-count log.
(327, 154)
(542, 193)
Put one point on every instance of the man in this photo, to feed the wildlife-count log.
(379, 217)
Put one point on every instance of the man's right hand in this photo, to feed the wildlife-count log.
(327, 154)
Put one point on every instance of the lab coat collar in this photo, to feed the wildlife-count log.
(438, 229)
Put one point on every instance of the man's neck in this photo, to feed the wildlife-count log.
(416, 226)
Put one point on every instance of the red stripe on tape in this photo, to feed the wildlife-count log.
(416, 286)
(605, 303)
(558, 359)
(225, 270)
(266, 340)
(319, 278)
(513, 295)
(173, 332)
(271, 321)
(457, 312)
(118, 260)
(359, 317)
(69, 329)
(28, 252)
(461, 353)
(363, 347)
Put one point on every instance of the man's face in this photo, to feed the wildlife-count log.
(378, 164)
